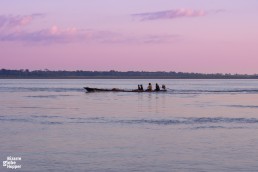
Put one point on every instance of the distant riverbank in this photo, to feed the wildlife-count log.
(115, 78)
(47, 74)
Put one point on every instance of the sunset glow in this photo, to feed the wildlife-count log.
(148, 35)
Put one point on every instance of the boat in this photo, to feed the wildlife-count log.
(89, 89)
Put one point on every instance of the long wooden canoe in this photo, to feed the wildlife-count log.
(89, 89)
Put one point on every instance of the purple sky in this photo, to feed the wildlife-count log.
(211, 36)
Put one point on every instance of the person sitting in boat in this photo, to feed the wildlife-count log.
(157, 87)
(138, 89)
(149, 88)
(141, 87)
(163, 86)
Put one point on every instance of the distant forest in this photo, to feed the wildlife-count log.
(112, 74)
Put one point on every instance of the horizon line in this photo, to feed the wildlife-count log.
(112, 70)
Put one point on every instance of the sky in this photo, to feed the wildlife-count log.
(204, 36)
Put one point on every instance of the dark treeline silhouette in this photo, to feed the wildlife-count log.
(45, 74)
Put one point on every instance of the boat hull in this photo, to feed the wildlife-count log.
(89, 89)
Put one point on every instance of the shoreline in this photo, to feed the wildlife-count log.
(107, 77)
(47, 74)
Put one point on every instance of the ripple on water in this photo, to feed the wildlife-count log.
(204, 122)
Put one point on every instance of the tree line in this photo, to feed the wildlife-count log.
(112, 74)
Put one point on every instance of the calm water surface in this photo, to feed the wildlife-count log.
(198, 125)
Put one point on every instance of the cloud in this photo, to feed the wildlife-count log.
(51, 35)
(57, 35)
(143, 39)
(172, 14)
(8, 22)
(12, 28)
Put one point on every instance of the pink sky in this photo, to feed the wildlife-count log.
(182, 36)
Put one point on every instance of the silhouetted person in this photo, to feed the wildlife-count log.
(149, 88)
(157, 87)
(163, 87)
(141, 87)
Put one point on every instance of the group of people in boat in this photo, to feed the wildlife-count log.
(149, 88)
